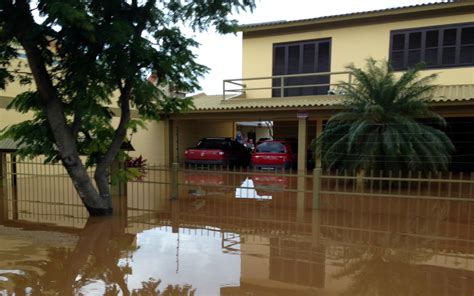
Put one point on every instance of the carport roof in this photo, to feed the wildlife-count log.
(206, 103)
(8, 145)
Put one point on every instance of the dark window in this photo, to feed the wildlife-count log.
(437, 47)
(217, 143)
(271, 147)
(398, 42)
(467, 46)
(301, 58)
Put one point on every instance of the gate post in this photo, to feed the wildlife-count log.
(316, 187)
(174, 180)
(3, 169)
(120, 187)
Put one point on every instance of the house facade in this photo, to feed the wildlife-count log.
(291, 70)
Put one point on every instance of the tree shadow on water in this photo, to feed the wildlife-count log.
(94, 264)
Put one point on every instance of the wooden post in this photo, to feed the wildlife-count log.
(174, 181)
(316, 187)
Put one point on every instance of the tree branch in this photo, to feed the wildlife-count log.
(76, 125)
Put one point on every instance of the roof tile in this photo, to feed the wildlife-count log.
(244, 27)
(444, 93)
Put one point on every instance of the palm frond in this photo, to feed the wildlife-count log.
(381, 126)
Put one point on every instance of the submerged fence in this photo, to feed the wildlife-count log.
(440, 185)
(36, 182)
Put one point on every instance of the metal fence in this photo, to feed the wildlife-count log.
(283, 83)
(457, 186)
(32, 182)
(39, 192)
(424, 210)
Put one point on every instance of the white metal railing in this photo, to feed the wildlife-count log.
(243, 87)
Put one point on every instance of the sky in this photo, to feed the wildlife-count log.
(223, 53)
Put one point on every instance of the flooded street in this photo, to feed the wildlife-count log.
(232, 236)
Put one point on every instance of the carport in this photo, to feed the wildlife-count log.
(299, 118)
(302, 118)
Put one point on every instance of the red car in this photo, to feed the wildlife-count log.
(218, 151)
(274, 155)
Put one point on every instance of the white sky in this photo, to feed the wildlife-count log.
(223, 53)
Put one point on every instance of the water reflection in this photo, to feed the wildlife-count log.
(216, 243)
(241, 185)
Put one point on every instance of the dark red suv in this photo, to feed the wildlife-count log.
(218, 151)
(274, 155)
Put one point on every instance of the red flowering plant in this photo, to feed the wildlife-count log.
(135, 168)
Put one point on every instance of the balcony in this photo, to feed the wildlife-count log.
(286, 86)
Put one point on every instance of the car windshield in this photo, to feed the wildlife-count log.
(271, 147)
(213, 144)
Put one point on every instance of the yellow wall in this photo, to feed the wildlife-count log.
(349, 45)
(9, 117)
(151, 143)
(189, 132)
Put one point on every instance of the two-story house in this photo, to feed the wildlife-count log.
(291, 70)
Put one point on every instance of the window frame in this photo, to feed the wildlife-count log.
(301, 44)
(440, 47)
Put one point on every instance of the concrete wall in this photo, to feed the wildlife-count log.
(349, 45)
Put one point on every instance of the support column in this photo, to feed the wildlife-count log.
(302, 144)
(301, 180)
(319, 131)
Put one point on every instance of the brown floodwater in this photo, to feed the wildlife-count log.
(227, 236)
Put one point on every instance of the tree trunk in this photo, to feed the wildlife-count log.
(96, 204)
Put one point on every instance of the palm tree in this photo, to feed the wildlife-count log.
(381, 126)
